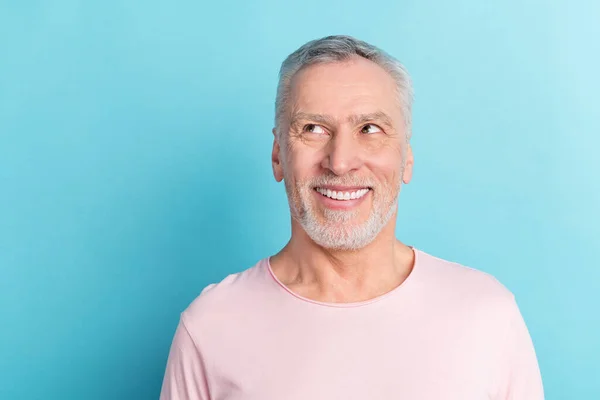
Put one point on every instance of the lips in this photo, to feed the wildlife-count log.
(343, 195)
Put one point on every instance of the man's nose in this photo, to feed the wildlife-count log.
(343, 154)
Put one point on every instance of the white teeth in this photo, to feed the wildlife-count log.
(343, 195)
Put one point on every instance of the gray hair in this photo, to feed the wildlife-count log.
(336, 49)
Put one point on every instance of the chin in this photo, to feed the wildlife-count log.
(340, 235)
(341, 243)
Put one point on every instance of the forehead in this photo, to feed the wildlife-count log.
(341, 88)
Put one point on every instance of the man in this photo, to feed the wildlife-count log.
(345, 310)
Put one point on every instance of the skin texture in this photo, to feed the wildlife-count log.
(343, 127)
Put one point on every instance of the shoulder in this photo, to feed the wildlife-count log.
(222, 301)
(459, 285)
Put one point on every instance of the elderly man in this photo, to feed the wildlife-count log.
(345, 310)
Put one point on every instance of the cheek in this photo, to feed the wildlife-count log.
(303, 164)
(381, 147)
(386, 164)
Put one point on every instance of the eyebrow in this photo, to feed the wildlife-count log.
(318, 118)
(378, 116)
(359, 119)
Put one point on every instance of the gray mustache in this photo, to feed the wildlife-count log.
(340, 182)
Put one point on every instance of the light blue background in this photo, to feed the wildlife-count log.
(135, 169)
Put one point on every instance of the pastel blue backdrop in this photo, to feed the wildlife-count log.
(135, 169)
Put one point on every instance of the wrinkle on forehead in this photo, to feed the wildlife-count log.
(333, 90)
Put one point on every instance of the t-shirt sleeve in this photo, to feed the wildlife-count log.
(520, 377)
(185, 376)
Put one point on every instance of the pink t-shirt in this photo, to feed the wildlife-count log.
(447, 332)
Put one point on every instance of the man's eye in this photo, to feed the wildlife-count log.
(370, 128)
(314, 128)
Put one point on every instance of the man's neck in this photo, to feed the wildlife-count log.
(343, 276)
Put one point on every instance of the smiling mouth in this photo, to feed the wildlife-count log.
(343, 195)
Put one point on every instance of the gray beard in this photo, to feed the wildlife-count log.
(333, 231)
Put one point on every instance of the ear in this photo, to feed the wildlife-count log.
(408, 166)
(276, 158)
